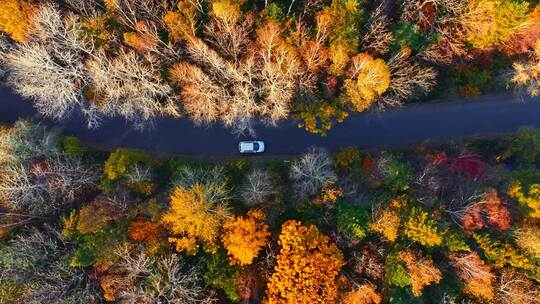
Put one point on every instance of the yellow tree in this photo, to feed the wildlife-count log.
(15, 18)
(370, 78)
(386, 223)
(182, 24)
(489, 23)
(194, 218)
(243, 237)
(528, 198)
(421, 270)
(307, 266)
(527, 237)
(422, 229)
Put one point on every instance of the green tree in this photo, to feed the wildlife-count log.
(353, 220)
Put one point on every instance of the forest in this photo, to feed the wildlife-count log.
(237, 62)
(456, 222)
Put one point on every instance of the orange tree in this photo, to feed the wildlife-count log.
(243, 237)
(307, 267)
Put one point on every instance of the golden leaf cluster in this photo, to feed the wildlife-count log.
(194, 218)
(15, 17)
(307, 266)
(243, 237)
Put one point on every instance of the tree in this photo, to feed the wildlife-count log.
(182, 24)
(145, 279)
(527, 237)
(257, 188)
(422, 229)
(525, 145)
(408, 79)
(387, 223)
(369, 79)
(352, 220)
(46, 186)
(311, 172)
(15, 18)
(243, 237)
(527, 197)
(489, 210)
(489, 23)
(147, 232)
(421, 270)
(307, 266)
(341, 18)
(121, 162)
(220, 274)
(347, 158)
(34, 264)
(477, 277)
(363, 294)
(142, 98)
(515, 288)
(369, 262)
(193, 217)
(49, 68)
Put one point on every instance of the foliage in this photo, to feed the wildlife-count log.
(244, 237)
(421, 270)
(352, 220)
(395, 272)
(527, 237)
(489, 23)
(307, 266)
(397, 174)
(72, 146)
(525, 145)
(193, 217)
(409, 35)
(476, 276)
(319, 118)
(420, 228)
(370, 79)
(148, 232)
(527, 197)
(15, 18)
(455, 241)
(121, 161)
(363, 294)
(347, 158)
(221, 275)
(387, 223)
(34, 268)
(527, 78)
(95, 248)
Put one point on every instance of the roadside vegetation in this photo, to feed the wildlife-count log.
(237, 61)
(452, 223)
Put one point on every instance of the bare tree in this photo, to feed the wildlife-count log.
(213, 180)
(26, 140)
(163, 280)
(45, 187)
(140, 99)
(407, 79)
(378, 37)
(257, 187)
(49, 67)
(515, 288)
(312, 171)
(35, 261)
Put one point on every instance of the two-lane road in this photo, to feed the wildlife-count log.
(418, 123)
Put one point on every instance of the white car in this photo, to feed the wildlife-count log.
(251, 147)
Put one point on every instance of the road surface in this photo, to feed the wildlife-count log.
(419, 123)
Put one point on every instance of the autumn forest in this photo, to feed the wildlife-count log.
(236, 61)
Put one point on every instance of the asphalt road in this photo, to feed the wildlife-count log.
(420, 123)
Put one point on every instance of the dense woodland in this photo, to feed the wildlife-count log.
(241, 61)
(452, 223)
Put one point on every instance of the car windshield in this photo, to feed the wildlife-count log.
(255, 146)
